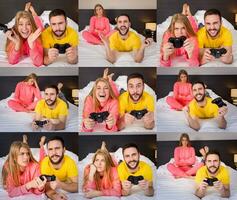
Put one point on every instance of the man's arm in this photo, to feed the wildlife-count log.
(150, 190)
(69, 186)
(60, 123)
(221, 117)
(192, 121)
(228, 57)
(111, 55)
(72, 55)
(201, 189)
(149, 121)
(139, 54)
(50, 55)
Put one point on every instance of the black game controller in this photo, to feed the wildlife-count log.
(217, 53)
(135, 179)
(4, 28)
(138, 113)
(210, 181)
(41, 123)
(99, 117)
(219, 102)
(48, 177)
(61, 47)
(177, 42)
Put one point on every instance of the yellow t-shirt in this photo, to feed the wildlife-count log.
(68, 169)
(43, 109)
(222, 175)
(210, 110)
(49, 39)
(143, 170)
(132, 43)
(126, 104)
(205, 41)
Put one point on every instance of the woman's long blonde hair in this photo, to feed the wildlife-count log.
(19, 15)
(107, 173)
(99, 5)
(96, 103)
(11, 167)
(181, 19)
(30, 76)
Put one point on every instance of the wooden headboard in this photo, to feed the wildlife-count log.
(138, 17)
(9, 8)
(166, 8)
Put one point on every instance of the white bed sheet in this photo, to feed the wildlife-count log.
(11, 121)
(121, 82)
(169, 120)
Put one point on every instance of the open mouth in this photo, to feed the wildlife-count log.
(24, 34)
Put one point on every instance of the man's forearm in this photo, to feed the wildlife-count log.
(69, 187)
(138, 57)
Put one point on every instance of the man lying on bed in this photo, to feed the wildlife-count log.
(136, 104)
(214, 36)
(59, 38)
(62, 167)
(212, 175)
(134, 174)
(124, 40)
(51, 112)
(202, 107)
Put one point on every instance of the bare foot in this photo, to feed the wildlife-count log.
(27, 6)
(206, 148)
(202, 152)
(60, 86)
(32, 10)
(42, 141)
(105, 74)
(103, 146)
(25, 139)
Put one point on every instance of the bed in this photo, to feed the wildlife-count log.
(26, 62)
(11, 121)
(184, 188)
(117, 155)
(121, 82)
(169, 120)
(179, 62)
(94, 55)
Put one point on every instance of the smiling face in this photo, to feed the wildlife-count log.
(50, 96)
(135, 88)
(24, 27)
(131, 157)
(58, 25)
(212, 25)
(23, 157)
(179, 29)
(212, 163)
(123, 25)
(102, 92)
(198, 92)
(55, 151)
(100, 163)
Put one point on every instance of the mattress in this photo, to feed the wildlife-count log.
(11, 121)
(169, 120)
(121, 82)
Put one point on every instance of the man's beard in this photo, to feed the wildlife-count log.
(217, 168)
(123, 34)
(200, 100)
(56, 162)
(61, 34)
(131, 96)
(50, 104)
(132, 168)
(218, 31)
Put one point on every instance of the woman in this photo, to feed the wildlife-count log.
(101, 177)
(103, 97)
(180, 26)
(182, 92)
(99, 25)
(185, 163)
(21, 172)
(27, 94)
(24, 37)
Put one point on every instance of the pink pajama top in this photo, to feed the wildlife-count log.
(184, 156)
(26, 94)
(99, 23)
(183, 91)
(106, 189)
(36, 53)
(31, 171)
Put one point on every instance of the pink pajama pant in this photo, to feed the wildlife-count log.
(175, 103)
(19, 107)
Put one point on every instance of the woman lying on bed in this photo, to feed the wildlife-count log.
(99, 24)
(102, 98)
(101, 177)
(182, 92)
(23, 39)
(185, 163)
(179, 41)
(21, 172)
(27, 94)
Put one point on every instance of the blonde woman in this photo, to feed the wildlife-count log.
(21, 172)
(188, 50)
(23, 39)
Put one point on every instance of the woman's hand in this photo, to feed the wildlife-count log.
(89, 123)
(33, 36)
(168, 50)
(189, 46)
(110, 121)
(36, 183)
(92, 172)
(12, 36)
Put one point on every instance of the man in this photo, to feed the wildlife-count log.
(50, 112)
(59, 33)
(212, 169)
(214, 35)
(124, 40)
(62, 166)
(135, 98)
(201, 107)
(132, 166)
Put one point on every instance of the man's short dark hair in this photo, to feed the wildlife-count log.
(53, 87)
(58, 138)
(123, 14)
(212, 12)
(199, 82)
(135, 75)
(130, 145)
(215, 152)
(57, 12)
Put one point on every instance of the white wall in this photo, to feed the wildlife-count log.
(119, 4)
